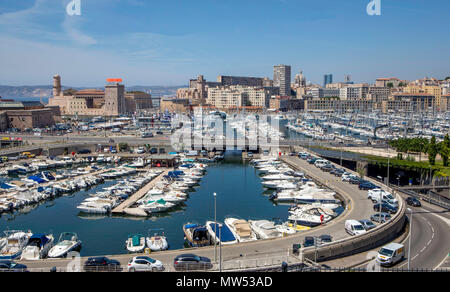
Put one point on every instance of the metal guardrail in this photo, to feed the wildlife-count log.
(432, 198)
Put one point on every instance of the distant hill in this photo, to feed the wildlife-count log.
(45, 91)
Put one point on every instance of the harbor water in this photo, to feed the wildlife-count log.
(239, 194)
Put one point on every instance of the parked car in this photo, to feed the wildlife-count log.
(309, 241)
(144, 264)
(153, 151)
(354, 180)
(147, 135)
(162, 150)
(393, 204)
(159, 133)
(141, 150)
(385, 207)
(325, 238)
(327, 168)
(367, 186)
(10, 266)
(353, 227)
(312, 160)
(391, 254)
(338, 172)
(84, 151)
(380, 218)
(412, 201)
(375, 195)
(367, 224)
(101, 264)
(347, 176)
(28, 155)
(187, 262)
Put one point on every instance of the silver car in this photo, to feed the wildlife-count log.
(144, 264)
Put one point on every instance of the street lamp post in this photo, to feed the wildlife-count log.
(389, 160)
(220, 248)
(410, 235)
(215, 227)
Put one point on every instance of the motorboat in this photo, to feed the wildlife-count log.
(241, 229)
(196, 235)
(278, 177)
(15, 243)
(67, 243)
(156, 206)
(220, 233)
(157, 242)
(310, 216)
(135, 243)
(265, 229)
(37, 247)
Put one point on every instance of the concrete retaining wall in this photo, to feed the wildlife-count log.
(381, 235)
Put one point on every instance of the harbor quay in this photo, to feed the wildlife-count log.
(249, 255)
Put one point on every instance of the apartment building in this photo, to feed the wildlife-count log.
(224, 97)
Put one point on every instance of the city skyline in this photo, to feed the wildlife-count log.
(38, 40)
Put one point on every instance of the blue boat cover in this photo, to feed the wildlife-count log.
(6, 186)
(42, 239)
(226, 234)
(189, 226)
(37, 179)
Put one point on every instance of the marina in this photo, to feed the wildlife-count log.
(93, 229)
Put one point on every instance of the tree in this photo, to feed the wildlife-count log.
(444, 150)
(432, 151)
(390, 85)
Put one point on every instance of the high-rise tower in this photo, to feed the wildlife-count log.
(282, 79)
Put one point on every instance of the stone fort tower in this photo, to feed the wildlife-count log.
(114, 99)
(56, 85)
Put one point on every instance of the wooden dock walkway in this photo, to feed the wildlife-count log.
(139, 194)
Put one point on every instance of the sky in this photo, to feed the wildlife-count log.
(154, 42)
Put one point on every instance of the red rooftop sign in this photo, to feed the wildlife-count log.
(114, 80)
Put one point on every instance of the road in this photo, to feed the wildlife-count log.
(430, 241)
(269, 251)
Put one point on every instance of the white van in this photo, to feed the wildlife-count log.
(354, 227)
(375, 195)
(391, 254)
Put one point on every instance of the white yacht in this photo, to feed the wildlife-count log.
(15, 243)
(310, 216)
(241, 229)
(220, 233)
(68, 242)
(156, 206)
(265, 229)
